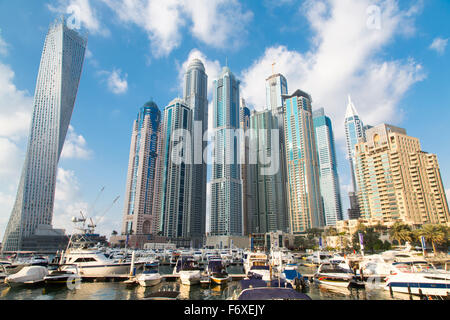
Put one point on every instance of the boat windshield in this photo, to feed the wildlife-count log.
(260, 268)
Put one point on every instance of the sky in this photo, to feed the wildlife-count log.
(391, 56)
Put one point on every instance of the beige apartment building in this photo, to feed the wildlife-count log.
(397, 180)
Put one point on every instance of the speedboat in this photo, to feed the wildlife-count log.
(28, 275)
(149, 278)
(336, 276)
(293, 277)
(188, 270)
(217, 272)
(418, 278)
(63, 277)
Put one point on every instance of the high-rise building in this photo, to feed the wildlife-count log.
(329, 178)
(174, 192)
(276, 88)
(56, 90)
(196, 97)
(139, 216)
(248, 195)
(305, 205)
(226, 183)
(354, 130)
(397, 181)
(269, 187)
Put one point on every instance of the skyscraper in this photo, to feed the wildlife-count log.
(196, 97)
(139, 214)
(226, 184)
(270, 201)
(397, 181)
(248, 194)
(276, 88)
(54, 99)
(354, 130)
(329, 178)
(174, 170)
(305, 205)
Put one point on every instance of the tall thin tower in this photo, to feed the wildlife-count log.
(196, 97)
(226, 184)
(54, 99)
(139, 214)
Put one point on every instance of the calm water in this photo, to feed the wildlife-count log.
(121, 291)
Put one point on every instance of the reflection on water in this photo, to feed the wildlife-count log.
(122, 291)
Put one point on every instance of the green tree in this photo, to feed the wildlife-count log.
(401, 232)
(434, 233)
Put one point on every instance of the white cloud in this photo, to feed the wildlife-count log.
(75, 146)
(343, 60)
(15, 106)
(439, 45)
(80, 13)
(218, 23)
(117, 83)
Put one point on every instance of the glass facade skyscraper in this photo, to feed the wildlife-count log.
(354, 130)
(226, 183)
(305, 205)
(174, 192)
(139, 215)
(56, 90)
(196, 97)
(329, 178)
(269, 189)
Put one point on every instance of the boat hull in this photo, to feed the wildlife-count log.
(190, 278)
(220, 281)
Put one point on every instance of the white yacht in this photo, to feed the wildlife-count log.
(417, 278)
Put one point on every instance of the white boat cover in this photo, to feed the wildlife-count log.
(28, 274)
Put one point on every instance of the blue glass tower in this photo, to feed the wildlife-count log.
(329, 178)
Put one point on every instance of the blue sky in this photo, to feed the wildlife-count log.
(397, 72)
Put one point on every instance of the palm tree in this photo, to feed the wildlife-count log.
(400, 232)
(434, 234)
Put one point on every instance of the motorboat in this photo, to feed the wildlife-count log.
(291, 275)
(63, 277)
(28, 275)
(188, 270)
(257, 263)
(94, 264)
(257, 289)
(333, 275)
(418, 277)
(149, 278)
(217, 272)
